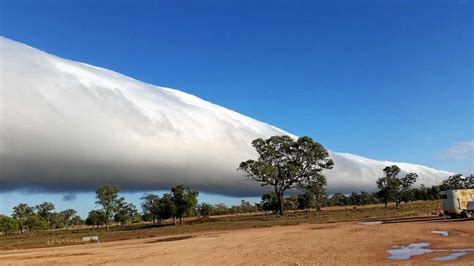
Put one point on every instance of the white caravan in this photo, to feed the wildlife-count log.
(458, 203)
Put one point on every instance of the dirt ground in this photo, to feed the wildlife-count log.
(324, 244)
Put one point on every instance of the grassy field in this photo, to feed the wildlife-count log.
(219, 223)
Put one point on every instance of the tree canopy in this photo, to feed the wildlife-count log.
(284, 163)
(107, 196)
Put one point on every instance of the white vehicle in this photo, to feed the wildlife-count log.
(458, 203)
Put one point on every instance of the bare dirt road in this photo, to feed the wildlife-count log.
(324, 244)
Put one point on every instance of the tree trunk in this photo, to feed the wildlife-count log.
(174, 218)
(316, 201)
(279, 202)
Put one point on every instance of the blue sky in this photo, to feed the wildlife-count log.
(389, 80)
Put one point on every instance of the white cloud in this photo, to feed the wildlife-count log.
(67, 126)
(460, 150)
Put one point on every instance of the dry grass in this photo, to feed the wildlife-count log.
(219, 223)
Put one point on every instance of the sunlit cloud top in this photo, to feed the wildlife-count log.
(68, 126)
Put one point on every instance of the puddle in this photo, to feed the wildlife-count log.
(443, 233)
(406, 252)
(452, 256)
(371, 223)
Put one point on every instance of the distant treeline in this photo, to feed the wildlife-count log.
(182, 202)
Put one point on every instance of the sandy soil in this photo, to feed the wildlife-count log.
(324, 244)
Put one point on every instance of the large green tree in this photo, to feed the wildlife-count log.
(284, 163)
(108, 197)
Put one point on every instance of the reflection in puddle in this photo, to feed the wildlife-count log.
(452, 256)
(443, 233)
(406, 252)
(371, 223)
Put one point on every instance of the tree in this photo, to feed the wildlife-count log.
(284, 164)
(388, 184)
(56, 220)
(404, 190)
(185, 201)
(457, 181)
(8, 225)
(270, 202)
(67, 215)
(150, 206)
(394, 188)
(35, 223)
(339, 199)
(76, 220)
(317, 187)
(21, 213)
(125, 213)
(205, 210)
(167, 207)
(107, 196)
(44, 210)
(96, 218)
(306, 200)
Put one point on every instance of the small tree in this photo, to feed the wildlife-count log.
(150, 206)
(126, 213)
(44, 210)
(96, 218)
(185, 201)
(167, 208)
(67, 215)
(35, 223)
(388, 184)
(107, 197)
(317, 187)
(8, 225)
(76, 220)
(205, 210)
(284, 164)
(405, 191)
(306, 200)
(56, 220)
(290, 203)
(21, 212)
(393, 188)
(270, 202)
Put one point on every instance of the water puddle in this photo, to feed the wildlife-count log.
(406, 252)
(443, 233)
(371, 222)
(452, 256)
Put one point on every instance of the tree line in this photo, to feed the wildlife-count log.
(283, 164)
